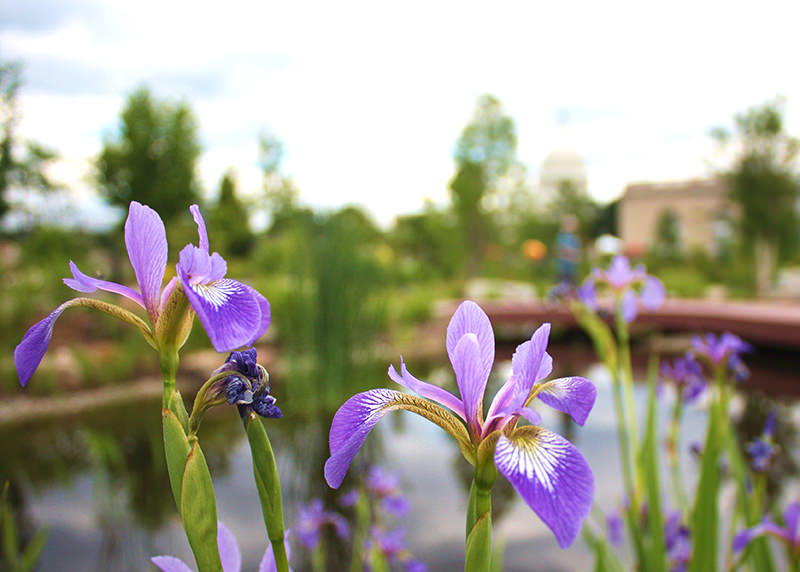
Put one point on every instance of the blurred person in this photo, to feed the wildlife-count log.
(568, 250)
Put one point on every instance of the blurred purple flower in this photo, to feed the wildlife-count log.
(615, 528)
(720, 349)
(761, 449)
(232, 313)
(545, 469)
(229, 555)
(789, 534)
(630, 287)
(386, 489)
(312, 518)
(393, 547)
(678, 542)
(687, 375)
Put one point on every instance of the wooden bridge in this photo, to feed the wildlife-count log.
(765, 323)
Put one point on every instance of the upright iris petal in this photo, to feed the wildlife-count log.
(233, 314)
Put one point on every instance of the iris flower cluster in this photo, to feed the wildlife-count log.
(629, 286)
(233, 314)
(546, 470)
(723, 350)
(687, 375)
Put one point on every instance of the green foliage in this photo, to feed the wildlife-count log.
(152, 158)
(667, 242)
(229, 222)
(16, 558)
(572, 200)
(28, 171)
(427, 244)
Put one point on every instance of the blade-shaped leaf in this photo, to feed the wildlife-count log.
(199, 511)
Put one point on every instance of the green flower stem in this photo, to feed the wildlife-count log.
(268, 483)
(674, 455)
(479, 529)
(623, 338)
(360, 533)
(168, 362)
(318, 556)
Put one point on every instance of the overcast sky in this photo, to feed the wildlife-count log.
(368, 98)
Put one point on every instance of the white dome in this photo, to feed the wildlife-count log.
(562, 164)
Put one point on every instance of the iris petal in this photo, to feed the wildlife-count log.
(29, 352)
(351, 424)
(359, 414)
(471, 378)
(228, 310)
(628, 306)
(229, 553)
(267, 563)
(652, 293)
(83, 283)
(146, 242)
(526, 362)
(201, 227)
(550, 475)
(572, 395)
(469, 318)
(437, 394)
(170, 564)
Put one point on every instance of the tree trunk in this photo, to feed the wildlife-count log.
(765, 259)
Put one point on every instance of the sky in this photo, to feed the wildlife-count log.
(368, 98)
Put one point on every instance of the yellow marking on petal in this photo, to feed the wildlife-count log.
(535, 455)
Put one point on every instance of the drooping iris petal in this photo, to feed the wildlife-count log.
(628, 306)
(587, 294)
(83, 283)
(791, 518)
(29, 352)
(170, 564)
(146, 242)
(266, 314)
(471, 378)
(652, 293)
(428, 390)
(572, 395)
(550, 475)
(229, 553)
(469, 318)
(229, 310)
(350, 427)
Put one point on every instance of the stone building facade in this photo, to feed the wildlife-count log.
(699, 206)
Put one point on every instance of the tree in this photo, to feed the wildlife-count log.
(573, 200)
(229, 220)
(487, 174)
(762, 183)
(28, 170)
(152, 158)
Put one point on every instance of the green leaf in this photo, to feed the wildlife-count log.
(199, 511)
(34, 550)
(176, 451)
(656, 556)
(497, 555)
(479, 545)
(705, 520)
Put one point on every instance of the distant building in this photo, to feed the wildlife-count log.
(562, 164)
(698, 208)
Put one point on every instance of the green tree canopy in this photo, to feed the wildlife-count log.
(229, 221)
(762, 182)
(23, 164)
(152, 157)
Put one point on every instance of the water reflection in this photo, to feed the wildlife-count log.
(100, 483)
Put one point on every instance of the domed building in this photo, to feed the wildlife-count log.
(563, 163)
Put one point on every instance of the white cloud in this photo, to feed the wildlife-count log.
(369, 99)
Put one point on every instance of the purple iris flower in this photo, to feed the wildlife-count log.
(312, 518)
(232, 313)
(229, 555)
(761, 449)
(615, 528)
(386, 488)
(393, 547)
(720, 349)
(789, 534)
(678, 542)
(687, 374)
(545, 469)
(629, 285)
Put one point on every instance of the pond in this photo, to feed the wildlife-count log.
(99, 483)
